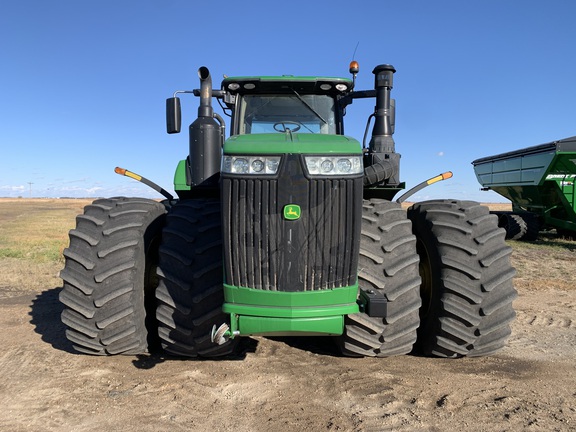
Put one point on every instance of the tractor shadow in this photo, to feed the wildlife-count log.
(320, 345)
(45, 311)
(157, 355)
(46, 308)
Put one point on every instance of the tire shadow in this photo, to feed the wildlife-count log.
(45, 311)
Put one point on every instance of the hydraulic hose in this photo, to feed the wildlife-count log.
(379, 172)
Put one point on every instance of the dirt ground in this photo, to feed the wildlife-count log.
(285, 384)
(279, 384)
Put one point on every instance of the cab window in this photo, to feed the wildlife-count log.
(280, 113)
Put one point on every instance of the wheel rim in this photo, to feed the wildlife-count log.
(426, 288)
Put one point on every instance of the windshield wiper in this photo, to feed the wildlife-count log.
(308, 106)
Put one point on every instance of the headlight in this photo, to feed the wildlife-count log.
(256, 165)
(334, 165)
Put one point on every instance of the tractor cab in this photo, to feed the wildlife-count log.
(285, 104)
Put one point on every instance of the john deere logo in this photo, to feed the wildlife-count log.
(292, 212)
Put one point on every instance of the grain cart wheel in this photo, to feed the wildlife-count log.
(190, 291)
(110, 276)
(467, 290)
(515, 226)
(388, 264)
(532, 226)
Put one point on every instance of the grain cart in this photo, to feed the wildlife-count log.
(287, 228)
(539, 181)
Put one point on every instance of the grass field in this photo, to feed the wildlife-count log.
(34, 232)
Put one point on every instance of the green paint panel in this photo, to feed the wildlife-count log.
(284, 313)
(290, 312)
(331, 325)
(180, 177)
(261, 144)
(253, 297)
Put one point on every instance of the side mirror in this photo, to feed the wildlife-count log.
(173, 115)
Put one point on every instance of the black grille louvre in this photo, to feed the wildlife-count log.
(316, 252)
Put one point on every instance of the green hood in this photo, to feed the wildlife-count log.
(294, 143)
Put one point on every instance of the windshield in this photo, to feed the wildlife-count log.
(280, 113)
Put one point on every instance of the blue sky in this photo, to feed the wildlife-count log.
(83, 84)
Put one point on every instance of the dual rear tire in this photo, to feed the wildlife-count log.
(110, 276)
(387, 266)
(466, 289)
(190, 293)
(449, 254)
(135, 276)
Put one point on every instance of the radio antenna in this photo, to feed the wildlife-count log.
(354, 55)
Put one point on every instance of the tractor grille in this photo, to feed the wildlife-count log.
(316, 252)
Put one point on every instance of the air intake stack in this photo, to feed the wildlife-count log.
(382, 162)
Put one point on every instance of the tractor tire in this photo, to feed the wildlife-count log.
(467, 289)
(388, 263)
(190, 293)
(532, 226)
(515, 226)
(110, 276)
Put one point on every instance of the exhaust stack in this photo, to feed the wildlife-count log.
(205, 137)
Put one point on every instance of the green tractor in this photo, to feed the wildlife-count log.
(288, 227)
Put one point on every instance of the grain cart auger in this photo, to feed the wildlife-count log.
(288, 228)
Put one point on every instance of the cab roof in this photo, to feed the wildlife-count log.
(287, 84)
